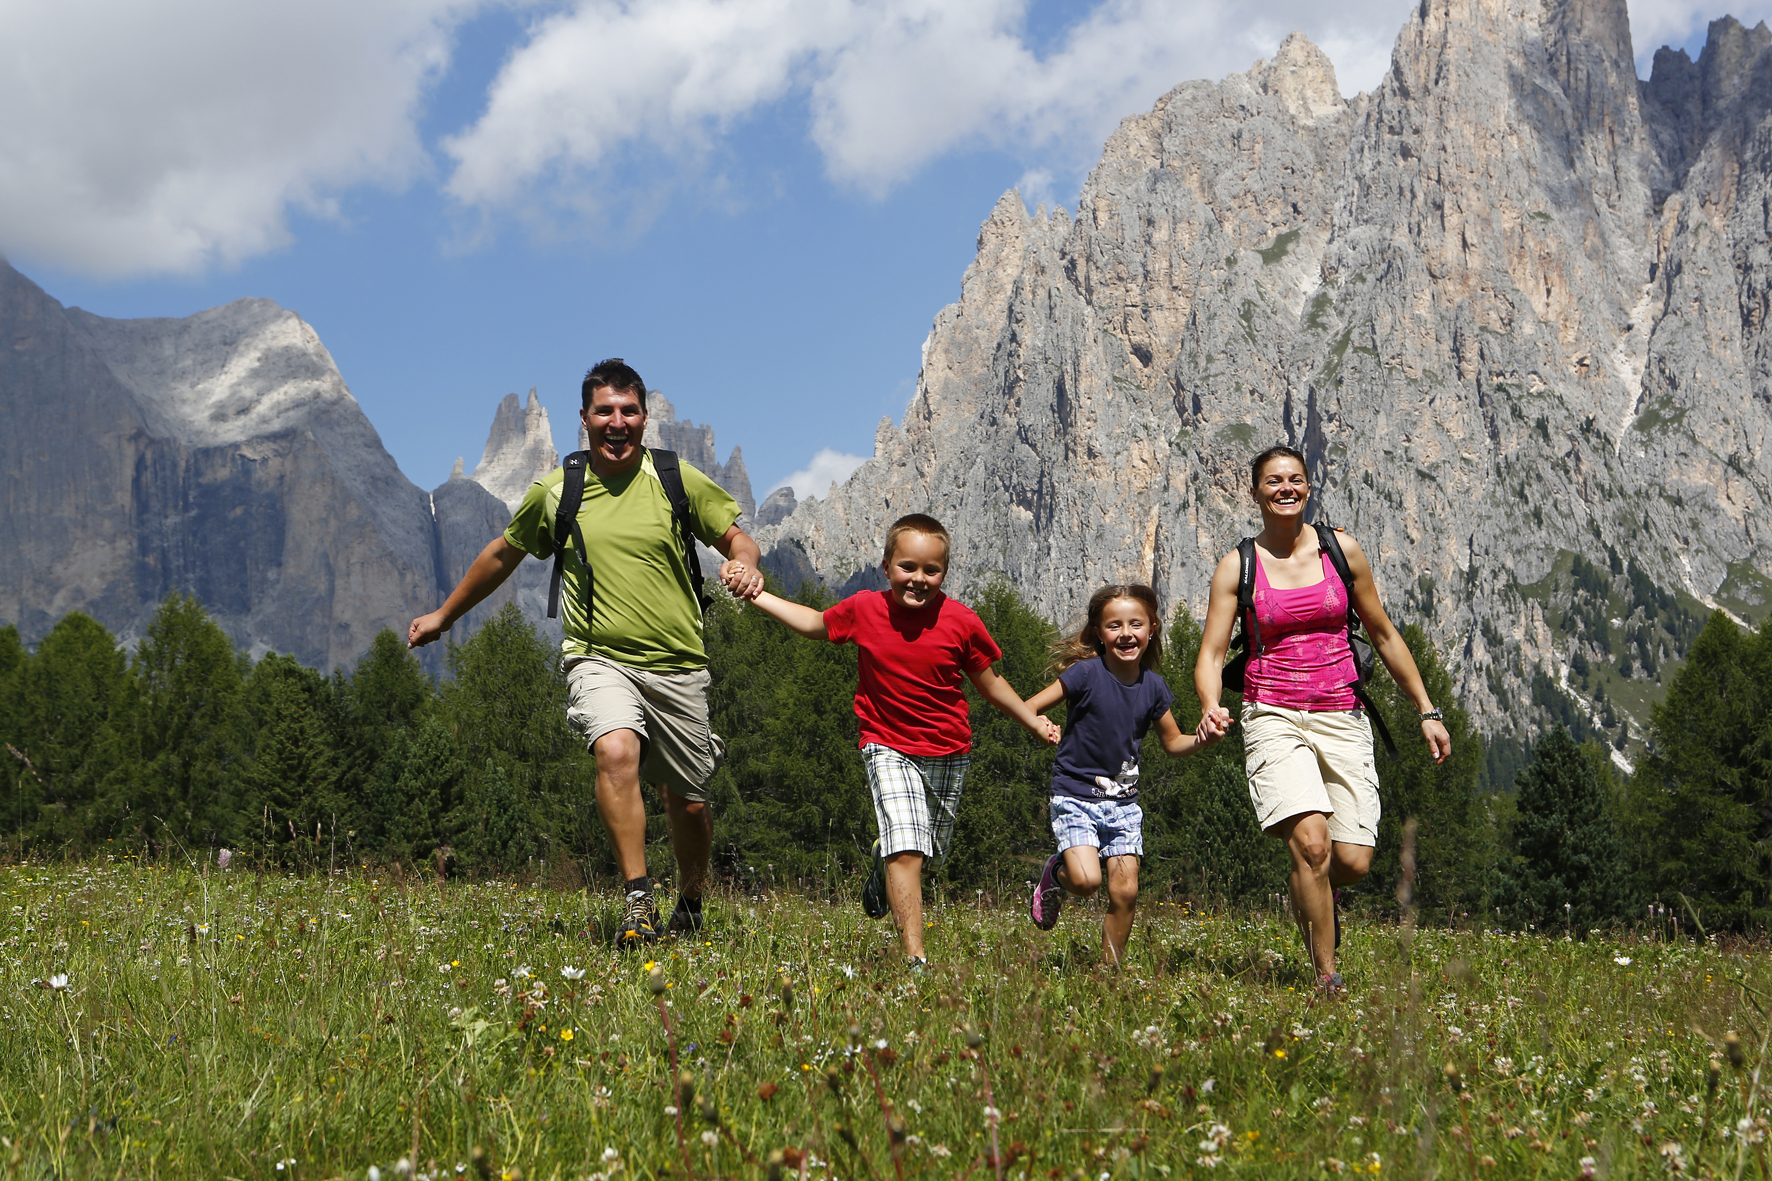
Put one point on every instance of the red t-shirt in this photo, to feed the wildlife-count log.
(913, 665)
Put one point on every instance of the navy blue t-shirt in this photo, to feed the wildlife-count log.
(1104, 723)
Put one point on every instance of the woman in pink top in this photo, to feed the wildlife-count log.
(1307, 742)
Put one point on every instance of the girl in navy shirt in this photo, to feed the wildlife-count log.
(1112, 695)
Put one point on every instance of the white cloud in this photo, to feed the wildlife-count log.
(890, 84)
(815, 479)
(172, 136)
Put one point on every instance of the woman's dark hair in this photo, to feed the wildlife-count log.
(615, 374)
(1271, 454)
(1086, 641)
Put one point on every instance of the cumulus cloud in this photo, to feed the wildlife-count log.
(141, 138)
(827, 467)
(888, 84)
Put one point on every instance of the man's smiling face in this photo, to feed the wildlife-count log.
(616, 423)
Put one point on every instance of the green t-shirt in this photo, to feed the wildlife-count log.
(645, 614)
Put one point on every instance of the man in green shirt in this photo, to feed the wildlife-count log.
(633, 655)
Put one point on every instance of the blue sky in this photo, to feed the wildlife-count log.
(762, 208)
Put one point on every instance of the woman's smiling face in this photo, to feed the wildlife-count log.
(1283, 487)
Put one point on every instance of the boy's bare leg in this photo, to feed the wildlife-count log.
(904, 890)
(692, 840)
(1116, 925)
(619, 801)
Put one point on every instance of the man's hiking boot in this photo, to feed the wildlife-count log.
(685, 920)
(1048, 897)
(873, 892)
(639, 922)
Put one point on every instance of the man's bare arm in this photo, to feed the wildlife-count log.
(486, 575)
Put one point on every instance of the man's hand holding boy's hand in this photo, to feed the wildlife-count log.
(744, 583)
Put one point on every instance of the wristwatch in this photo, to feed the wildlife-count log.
(1432, 715)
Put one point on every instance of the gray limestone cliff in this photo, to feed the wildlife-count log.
(519, 450)
(219, 455)
(1512, 304)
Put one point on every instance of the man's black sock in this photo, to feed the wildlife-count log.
(640, 885)
(692, 905)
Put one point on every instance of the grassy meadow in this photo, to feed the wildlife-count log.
(164, 1022)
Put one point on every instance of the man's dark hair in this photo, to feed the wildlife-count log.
(1267, 457)
(616, 374)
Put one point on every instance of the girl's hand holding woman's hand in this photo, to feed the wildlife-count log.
(1215, 723)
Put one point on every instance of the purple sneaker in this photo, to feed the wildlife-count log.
(1048, 895)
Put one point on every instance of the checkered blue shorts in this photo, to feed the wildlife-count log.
(1115, 827)
(915, 798)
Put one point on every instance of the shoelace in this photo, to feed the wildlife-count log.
(638, 912)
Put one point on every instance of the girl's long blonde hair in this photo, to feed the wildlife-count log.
(1087, 640)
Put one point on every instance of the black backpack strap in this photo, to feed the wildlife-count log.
(670, 474)
(1331, 545)
(1246, 592)
(572, 494)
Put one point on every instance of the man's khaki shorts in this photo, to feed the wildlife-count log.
(668, 710)
(1312, 761)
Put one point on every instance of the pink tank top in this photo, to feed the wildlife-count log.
(1306, 663)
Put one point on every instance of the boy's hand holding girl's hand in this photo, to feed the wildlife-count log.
(744, 583)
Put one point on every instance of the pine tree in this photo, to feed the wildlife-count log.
(289, 776)
(1564, 864)
(404, 802)
(384, 697)
(187, 729)
(1454, 847)
(1702, 798)
(1002, 831)
(70, 724)
(792, 793)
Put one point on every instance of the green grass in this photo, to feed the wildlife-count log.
(216, 1025)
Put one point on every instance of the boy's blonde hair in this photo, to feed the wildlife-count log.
(1086, 641)
(922, 523)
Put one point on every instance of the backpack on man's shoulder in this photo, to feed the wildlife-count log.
(1241, 644)
(572, 493)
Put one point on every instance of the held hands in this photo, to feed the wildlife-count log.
(1049, 731)
(744, 583)
(1215, 723)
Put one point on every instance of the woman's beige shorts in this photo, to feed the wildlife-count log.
(669, 711)
(1312, 761)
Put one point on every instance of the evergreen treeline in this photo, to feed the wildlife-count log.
(185, 746)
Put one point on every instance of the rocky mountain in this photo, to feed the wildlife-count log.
(519, 450)
(1512, 304)
(219, 454)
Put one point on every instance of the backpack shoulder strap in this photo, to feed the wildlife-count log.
(670, 475)
(1331, 545)
(572, 494)
(1246, 590)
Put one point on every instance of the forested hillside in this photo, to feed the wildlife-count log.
(186, 746)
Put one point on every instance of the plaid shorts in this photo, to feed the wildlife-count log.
(915, 798)
(1113, 827)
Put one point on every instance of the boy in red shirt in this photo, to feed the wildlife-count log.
(916, 646)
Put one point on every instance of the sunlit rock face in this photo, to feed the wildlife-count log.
(519, 450)
(1511, 304)
(221, 455)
